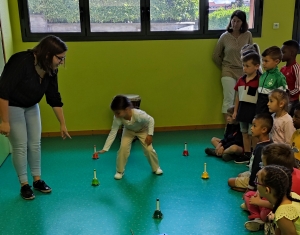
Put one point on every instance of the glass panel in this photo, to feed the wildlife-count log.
(221, 10)
(115, 15)
(174, 15)
(54, 16)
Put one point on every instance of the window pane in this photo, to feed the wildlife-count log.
(115, 15)
(54, 16)
(174, 15)
(221, 10)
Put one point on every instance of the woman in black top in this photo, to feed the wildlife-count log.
(26, 77)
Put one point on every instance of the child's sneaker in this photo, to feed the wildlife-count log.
(210, 151)
(158, 171)
(228, 157)
(242, 159)
(26, 192)
(119, 175)
(244, 207)
(41, 186)
(254, 225)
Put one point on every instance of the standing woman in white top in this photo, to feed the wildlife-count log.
(227, 55)
(137, 123)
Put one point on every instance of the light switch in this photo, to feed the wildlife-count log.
(275, 25)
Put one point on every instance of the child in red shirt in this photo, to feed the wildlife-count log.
(291, 71)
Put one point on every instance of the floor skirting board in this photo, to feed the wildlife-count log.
(156, 129)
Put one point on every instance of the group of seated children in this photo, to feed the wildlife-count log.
(266, 118)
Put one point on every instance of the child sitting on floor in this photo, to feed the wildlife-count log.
(274, 183)
(231, 145)
(277, 154)
(261, 127)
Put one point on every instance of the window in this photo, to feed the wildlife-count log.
(296, 30)
(93, 20)
(220, 12)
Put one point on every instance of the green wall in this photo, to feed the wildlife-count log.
(177, 80)
(8, 49)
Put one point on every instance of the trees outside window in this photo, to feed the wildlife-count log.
(83, 20)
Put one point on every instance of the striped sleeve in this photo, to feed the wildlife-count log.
(296, 71)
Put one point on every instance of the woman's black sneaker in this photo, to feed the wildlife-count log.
(26, 192)
(40, 185)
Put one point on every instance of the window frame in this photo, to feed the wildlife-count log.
(296, 27)
(144, 34)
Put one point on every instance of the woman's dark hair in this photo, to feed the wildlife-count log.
(278, 178)
(279, 154)
(48, 47)
(120, 102)
(242, 16)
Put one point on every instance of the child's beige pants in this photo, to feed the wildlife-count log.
(124, 151)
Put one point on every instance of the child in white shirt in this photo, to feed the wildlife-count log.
(136, 123)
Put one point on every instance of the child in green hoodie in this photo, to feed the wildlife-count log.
(271, 79)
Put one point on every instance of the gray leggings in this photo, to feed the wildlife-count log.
(25, 139)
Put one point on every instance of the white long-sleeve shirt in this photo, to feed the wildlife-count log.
(140, 121)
